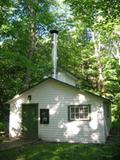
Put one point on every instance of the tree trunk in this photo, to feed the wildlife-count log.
(99, 64)
(32, 47)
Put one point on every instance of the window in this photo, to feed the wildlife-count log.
(44, 116)
(79, 112)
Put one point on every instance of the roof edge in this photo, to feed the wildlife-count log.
(45, 79)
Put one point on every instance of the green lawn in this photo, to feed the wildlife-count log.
(55, 151)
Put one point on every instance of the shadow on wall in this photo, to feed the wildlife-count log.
(69, 131)
(76, 131)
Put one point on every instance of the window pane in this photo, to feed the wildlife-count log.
(86, 115)
(72, 110)
(77, 115)
(85, 109)
(72, 116)
(77, 110)
(44, 116)
(81, 111)
(81, 116)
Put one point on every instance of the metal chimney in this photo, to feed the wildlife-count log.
(54, 51)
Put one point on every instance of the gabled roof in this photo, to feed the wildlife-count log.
(69, 74)
(60, 82)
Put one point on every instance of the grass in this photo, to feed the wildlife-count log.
(58, 151)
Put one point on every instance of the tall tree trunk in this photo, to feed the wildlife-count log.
(97, 51)
(32, 47)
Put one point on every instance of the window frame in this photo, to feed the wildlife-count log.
(79, 107)
(44, 113)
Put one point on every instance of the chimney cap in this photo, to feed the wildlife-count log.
(53, 31)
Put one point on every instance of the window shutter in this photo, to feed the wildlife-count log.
(68, 113)
(89, 112)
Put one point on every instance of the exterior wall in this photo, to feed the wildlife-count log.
(107, 118)
(60, 129)
(15, 117)
(61, 76)
(56, 97)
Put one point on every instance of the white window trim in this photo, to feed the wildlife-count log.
(79, 106)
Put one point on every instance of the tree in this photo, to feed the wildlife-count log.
(24, 45)
(98, 19)
(24, 26)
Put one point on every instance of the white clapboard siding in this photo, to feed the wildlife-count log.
(56, 97)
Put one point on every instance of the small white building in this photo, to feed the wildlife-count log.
(56, 110)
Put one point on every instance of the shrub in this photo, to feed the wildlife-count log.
(2, 126)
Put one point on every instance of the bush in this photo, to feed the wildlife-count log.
(116, 146)
(2, 126)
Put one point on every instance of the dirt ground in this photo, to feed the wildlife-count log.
(7, 143)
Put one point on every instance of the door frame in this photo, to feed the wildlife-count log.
(27, 104)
